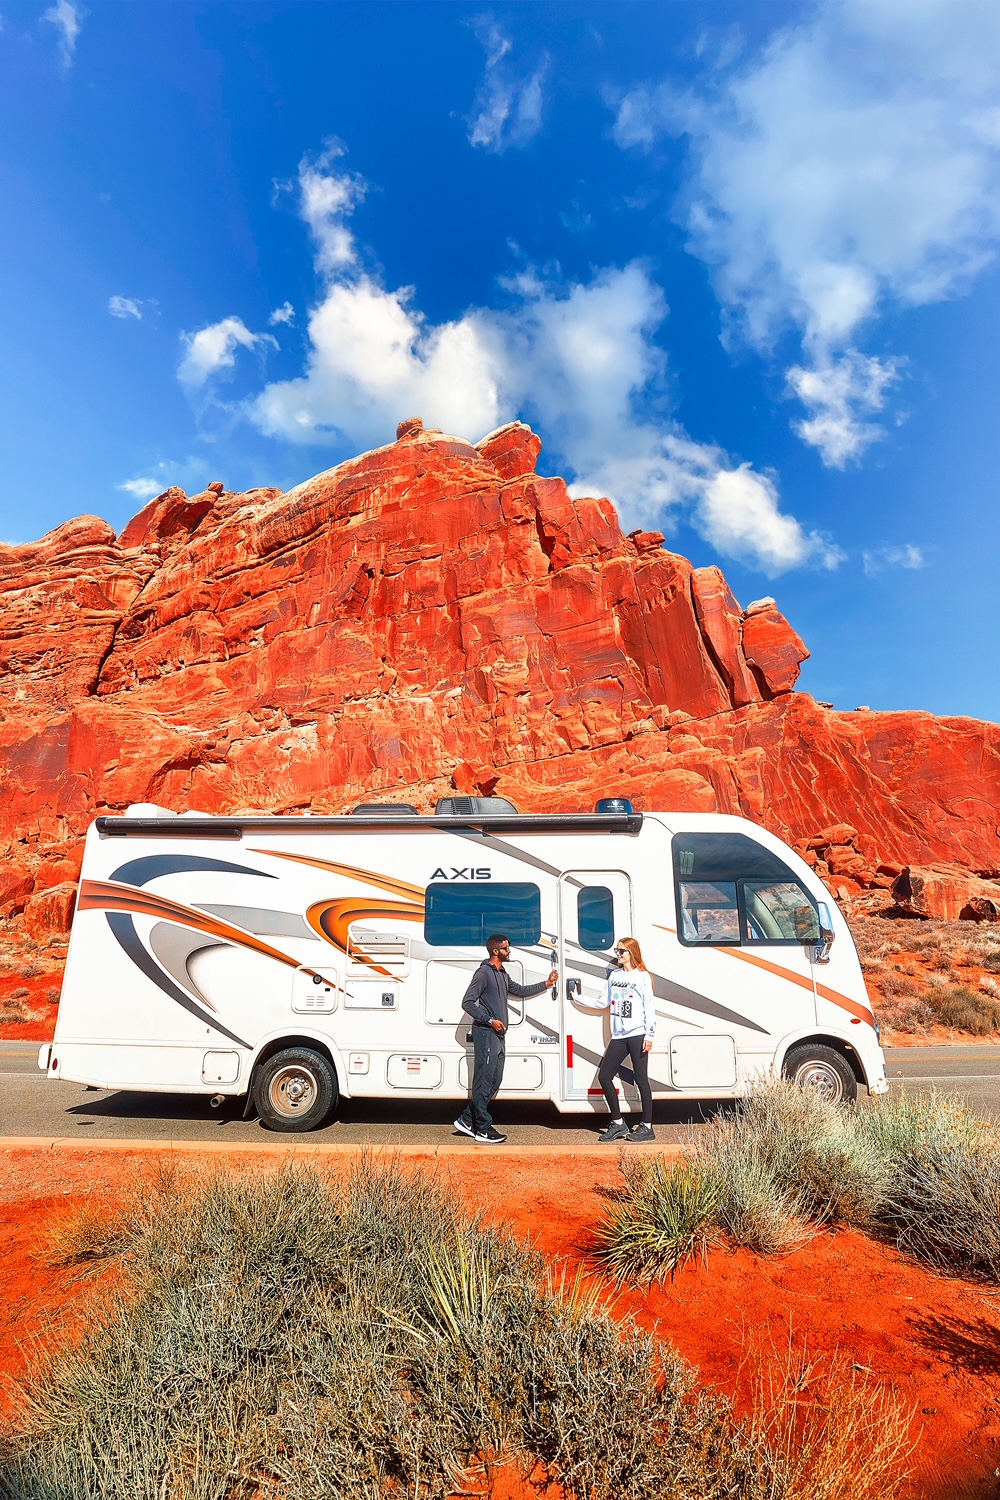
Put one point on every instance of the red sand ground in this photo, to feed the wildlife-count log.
(935, 1340)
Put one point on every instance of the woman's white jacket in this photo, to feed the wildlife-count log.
(629, 996)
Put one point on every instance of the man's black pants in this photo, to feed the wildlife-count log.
(620, 1048)
(490, 1050)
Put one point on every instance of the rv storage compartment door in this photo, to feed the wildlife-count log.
(410, 1071)
(371, 994)
(521, 1074)
(220, 1067)
(314, 991)
(702, 1062)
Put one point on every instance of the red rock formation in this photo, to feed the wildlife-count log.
(432, 616)
(948, 893)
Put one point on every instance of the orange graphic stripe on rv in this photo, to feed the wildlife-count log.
(105, 895)
(331, 919)
(834, 996)
(394, 887)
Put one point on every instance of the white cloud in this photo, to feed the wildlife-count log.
(67, 19)
(140, 488)
(214, 348)
(325, 197)
(283, 314)
(508, 107)
(578, 359)
(840, 393)
(879, 558)
(125, 307)
(190, 474)
(852, 162)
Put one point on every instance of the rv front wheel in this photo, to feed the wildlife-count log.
(820, 1070)
(295, 1089)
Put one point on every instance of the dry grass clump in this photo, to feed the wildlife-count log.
(817, 1414)
(282, 1337)
(965, 1009)
(86, 1234)
(917, 1170)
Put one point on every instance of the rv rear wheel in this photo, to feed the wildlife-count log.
(823, 1071)
(295, 1089)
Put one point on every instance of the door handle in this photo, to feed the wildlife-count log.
(573, 987)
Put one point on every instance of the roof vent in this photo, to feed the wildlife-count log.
(384, 810)
(614, 805)
(473, 807)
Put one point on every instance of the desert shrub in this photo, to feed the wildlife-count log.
(278, 1336)
(894, 983)
(909, 1015)
(992, 961)
(31, 971)
(667, 1215)
(917, 1169)
(21, 993)
(14, 1013)
(944, 1207)
(816, 1415)
(85, 1234)
(965, 1010)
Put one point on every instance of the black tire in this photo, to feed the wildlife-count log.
(823, 1071)
(295, 1090)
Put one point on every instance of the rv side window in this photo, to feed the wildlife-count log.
(732, 890)
(464, 916)
(595, 917)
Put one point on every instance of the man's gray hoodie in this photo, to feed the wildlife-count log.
(486, 998)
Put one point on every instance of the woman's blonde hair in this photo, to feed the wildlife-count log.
(634, 950)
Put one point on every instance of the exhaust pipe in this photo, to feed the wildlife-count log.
(216, 1100)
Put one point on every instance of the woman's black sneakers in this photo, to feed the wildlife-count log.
(640, 1133)
(616, 1131)
(489, 1137)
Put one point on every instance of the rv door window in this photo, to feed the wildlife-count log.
(595, 917)
(732, 890)
(464, 916)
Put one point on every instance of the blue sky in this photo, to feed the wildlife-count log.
(736, 264)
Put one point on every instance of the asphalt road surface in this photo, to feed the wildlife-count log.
(32, 1105)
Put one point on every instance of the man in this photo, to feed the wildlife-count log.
(486, 1003)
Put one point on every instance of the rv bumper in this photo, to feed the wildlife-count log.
(44, 1053)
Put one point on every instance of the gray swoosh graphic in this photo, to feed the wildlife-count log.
(175, 947)
(261, 920)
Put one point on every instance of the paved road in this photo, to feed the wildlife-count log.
(32, 1105)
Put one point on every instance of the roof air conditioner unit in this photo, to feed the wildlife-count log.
(473, 807)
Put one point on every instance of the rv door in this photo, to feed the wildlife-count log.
(595, 908)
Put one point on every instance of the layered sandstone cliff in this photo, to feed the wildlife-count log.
(427, 617)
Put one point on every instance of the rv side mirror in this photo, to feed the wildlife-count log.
(573, 987)
(826, 934)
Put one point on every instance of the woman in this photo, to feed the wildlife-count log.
(633, 1025)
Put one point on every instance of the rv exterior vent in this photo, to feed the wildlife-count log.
(473, 807)
(614, 805)
(371, 953)
(384, 809)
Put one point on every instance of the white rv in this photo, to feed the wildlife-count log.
(301, 960)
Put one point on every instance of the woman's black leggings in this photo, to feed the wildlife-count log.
(618, 1049)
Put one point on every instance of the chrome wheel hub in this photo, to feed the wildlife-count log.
(292, 1090)
(819, 1078)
